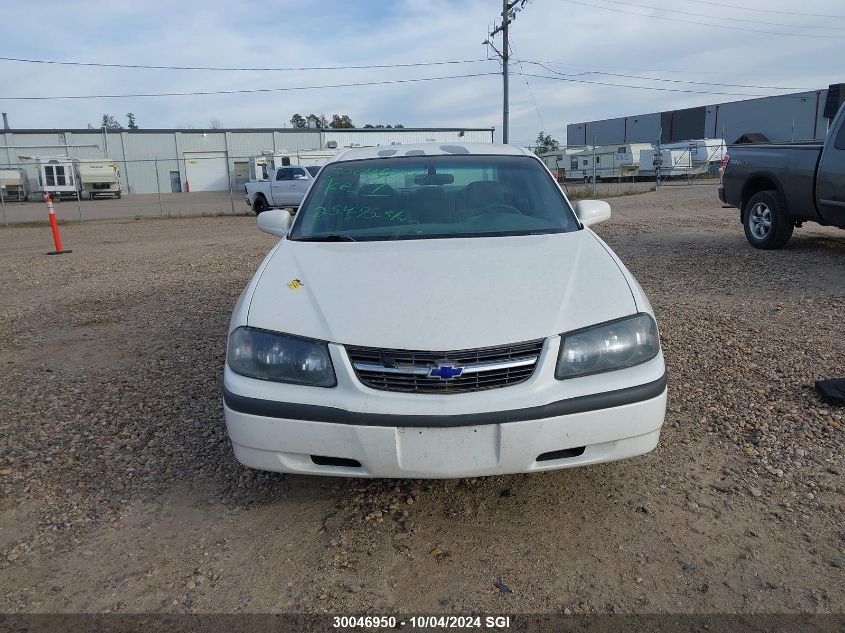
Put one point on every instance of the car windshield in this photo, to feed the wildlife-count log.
(313, 169)
(421, 197)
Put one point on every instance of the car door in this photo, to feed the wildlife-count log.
(281, 187)
(299, 185)
(830, 186)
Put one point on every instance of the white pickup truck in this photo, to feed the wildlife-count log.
(285, 188)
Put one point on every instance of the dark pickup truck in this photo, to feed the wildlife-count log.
(779, 187)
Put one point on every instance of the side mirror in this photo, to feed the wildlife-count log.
(592, 211)
(274, 221)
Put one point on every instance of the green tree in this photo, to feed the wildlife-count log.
(341, 121)
(298, 121)
(317, 121)
(132, 125)
(110, 123)
(545, 143)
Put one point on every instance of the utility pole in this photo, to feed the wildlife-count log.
(509, 11)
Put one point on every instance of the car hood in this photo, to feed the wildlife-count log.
(440, 294)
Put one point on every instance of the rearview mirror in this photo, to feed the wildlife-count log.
(274, 221)
(592, 211)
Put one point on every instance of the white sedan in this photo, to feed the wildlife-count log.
(440, 311)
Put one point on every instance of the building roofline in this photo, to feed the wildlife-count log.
(246, 129)
(790, 95)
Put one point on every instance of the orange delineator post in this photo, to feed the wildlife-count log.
(54, 227)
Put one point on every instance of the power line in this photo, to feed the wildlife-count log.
(716, 17)
(718, 26)
(656, 88)
(650, 70)
(245, 91)
(235, 68)
(678, 81)
(758, 10)
(530, 91)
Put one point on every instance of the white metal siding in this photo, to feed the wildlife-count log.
(137, 153)
(203, 141)
(206, 171)
(242, 145)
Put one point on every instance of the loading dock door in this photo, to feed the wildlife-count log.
(206, 171)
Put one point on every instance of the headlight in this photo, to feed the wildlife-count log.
(280, 357)
(613, 345)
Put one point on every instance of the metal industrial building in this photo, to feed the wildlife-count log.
(800, 116)
(200, 160)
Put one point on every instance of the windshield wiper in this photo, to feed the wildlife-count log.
(334, 237)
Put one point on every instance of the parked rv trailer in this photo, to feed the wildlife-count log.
(260, 166)
(606, 162)
(98, 179)
(672, 163)
(702, 151)
(555, 161)
(14, 185)
(56, 176)
(268, 162)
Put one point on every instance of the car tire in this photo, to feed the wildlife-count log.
(766, 222)
(260, 205)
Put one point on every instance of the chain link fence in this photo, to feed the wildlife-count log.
(145, 188)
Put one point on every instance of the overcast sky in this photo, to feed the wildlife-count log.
(630, 39)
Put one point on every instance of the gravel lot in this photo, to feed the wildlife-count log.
(120, 492)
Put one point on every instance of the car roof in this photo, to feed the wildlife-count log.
(430, 149)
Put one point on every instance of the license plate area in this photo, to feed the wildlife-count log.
(443, 450)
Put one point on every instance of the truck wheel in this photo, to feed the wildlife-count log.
(767, 224)
(260, 205)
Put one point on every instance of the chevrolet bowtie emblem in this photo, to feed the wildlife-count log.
(445, 372)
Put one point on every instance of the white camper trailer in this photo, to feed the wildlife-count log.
(672, 163)
(705, 154)
(308, 157)
(267, 162)
(606, 162)
(260, 166)
(57, 177)
(98, 178)
(14, 185)
(555, 161)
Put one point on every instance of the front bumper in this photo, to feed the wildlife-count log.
(598, 418)
(589, 437)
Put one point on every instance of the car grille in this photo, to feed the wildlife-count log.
(480, 369)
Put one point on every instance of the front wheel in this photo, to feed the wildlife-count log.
(767, 224)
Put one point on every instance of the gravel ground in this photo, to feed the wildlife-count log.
(120, 492)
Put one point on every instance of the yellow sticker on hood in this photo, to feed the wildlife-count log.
(295, 284)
